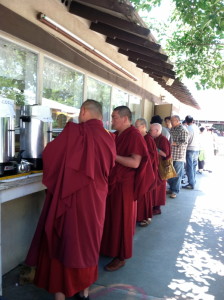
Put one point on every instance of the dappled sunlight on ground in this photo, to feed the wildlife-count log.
(201, 259)
(130, 291)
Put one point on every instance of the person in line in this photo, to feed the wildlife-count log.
(184, 123)
(179, 136)
(164, 152)
(202, 147)
(215, 141)
(168, 124)
(128, 182)
(184, 175)
(192, 152)
(209, 150)
(66, 244)
(145, 204)
(165, 131)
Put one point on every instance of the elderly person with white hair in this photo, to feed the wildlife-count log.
(145, 204)
(164, 152)
(179, 136)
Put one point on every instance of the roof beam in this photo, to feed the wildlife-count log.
(155, 71)
(182, 95)
(95, 15)
(142, 50)
(120, 7)
(139, 56)
(114, 32)
(152, 66)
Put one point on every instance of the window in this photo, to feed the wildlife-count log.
(62, 87)
(62, 92)
(119, 98)
(18, 73)
(122, 98)
(135, 107)
(101, 92)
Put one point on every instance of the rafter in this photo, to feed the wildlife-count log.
(147, 58)
(142, 50)
(147, 65)
(113, 32)
(95, 15)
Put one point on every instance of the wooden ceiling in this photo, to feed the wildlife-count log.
(123, 28)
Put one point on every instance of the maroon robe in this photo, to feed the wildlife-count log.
(125, 186)
(159, 197)
(66, 244)
(145, 204)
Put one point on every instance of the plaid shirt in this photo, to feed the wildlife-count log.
(180, 137)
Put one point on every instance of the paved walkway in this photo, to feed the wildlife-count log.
(180, 255)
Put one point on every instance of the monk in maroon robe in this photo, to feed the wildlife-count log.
(164, 150)
(66, 244)
(127, 183)
(145, 204)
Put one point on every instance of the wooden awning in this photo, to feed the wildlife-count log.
(123, 28)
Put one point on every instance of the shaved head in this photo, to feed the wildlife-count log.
(124, 111)
(90, 109)
(141, 125)
(142, 121)
(94, 107)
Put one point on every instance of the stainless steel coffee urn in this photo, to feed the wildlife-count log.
(35, 133)
(7, 137)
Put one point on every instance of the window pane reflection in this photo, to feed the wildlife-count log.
(63, 92)
(135, 107)
(119, 98)
(18, 73)
(101, 92)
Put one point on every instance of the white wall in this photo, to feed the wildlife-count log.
(19, 219)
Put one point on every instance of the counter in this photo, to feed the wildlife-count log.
(18, 218)
(21, 186)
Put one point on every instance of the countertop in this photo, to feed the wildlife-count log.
(18, 187)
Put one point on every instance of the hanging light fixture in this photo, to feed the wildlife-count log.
(51, 23)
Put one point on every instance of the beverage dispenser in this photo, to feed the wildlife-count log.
(7, 137)
(35, 133)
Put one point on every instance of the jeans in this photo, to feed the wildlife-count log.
(191, 165)
(175, 183)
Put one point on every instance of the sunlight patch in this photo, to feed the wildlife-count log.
(200, 259)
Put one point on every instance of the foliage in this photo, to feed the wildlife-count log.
(17, 73)
(194, 36)
(62, 84)
(12, 89)
(101, 92)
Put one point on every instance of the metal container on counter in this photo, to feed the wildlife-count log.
(35, 133)
(7, 137)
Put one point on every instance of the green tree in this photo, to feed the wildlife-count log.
(194, 38)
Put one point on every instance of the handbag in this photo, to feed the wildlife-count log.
(166, 168)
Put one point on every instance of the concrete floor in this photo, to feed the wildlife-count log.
(180, 255)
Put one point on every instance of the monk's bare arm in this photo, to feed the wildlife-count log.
(132, 161)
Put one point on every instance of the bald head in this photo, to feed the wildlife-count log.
(141, 125)
(155, 130)
(141, 121)
(124, 111)
(121, 118)
(90, 109)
